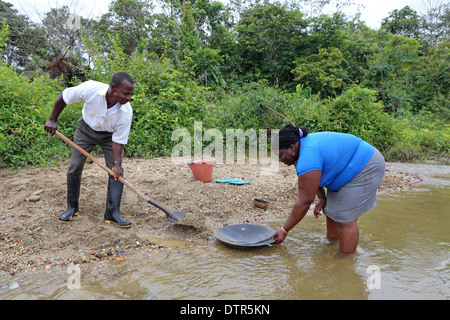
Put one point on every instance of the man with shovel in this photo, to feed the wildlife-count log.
(106, 121)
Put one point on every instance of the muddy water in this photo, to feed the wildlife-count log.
(404, 253)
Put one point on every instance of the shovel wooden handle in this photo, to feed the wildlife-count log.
(172, 216)
(104, 167)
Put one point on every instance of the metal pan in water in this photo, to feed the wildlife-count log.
(245, 235)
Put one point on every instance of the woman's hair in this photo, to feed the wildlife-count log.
(290, 135)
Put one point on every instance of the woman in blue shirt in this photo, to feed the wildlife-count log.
(348, 167)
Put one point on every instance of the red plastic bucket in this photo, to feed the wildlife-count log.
(202, 169)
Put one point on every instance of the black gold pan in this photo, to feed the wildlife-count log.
(245, 235)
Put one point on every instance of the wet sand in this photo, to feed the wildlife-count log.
(32, 238)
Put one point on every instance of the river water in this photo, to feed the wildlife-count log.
(403, 253)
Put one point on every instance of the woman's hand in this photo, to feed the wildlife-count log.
(279, 236)
(319, 207)
(321, 203)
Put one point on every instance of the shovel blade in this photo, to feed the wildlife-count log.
(174, 216)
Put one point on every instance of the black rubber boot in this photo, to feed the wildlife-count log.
(112, 214)
(73, 196)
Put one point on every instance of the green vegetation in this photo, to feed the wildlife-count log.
(226, 65)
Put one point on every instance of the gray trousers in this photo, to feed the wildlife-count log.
(87, 139)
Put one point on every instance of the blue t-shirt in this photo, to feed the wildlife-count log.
(340, 156)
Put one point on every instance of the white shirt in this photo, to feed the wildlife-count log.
(96, 113)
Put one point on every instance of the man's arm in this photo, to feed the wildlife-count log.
(117, 151)
(51, 126)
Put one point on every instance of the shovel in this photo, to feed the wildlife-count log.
(171, 216)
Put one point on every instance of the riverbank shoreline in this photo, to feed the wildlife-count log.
(32, 238)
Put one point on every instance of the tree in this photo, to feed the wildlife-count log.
(436, 21)
(3, 34)
(164, 35)
(390, 69)
(213, 21)
(25, 41)
(321, 72)
(130, 20)
(405, 22)
(190, 41)
(269, 38)
(208, 64)
(432, 82)
(64, 52)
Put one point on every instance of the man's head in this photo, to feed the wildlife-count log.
(121, 87)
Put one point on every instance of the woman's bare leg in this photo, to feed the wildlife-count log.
(332, 230)
(346, 232)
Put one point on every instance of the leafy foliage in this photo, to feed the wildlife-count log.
(25, 108)
(229, 66)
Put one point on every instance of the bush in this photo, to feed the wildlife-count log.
(357, 112)
(246, 108)
(166, 99)
(421, 137)
(24, 111)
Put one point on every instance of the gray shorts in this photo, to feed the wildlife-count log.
(359, 195)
